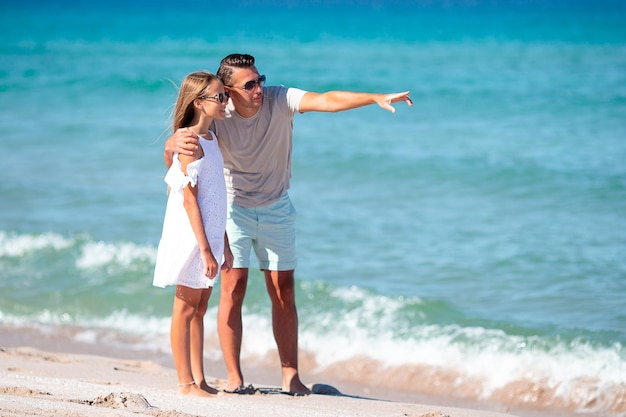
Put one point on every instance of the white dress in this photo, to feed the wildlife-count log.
(178, 257)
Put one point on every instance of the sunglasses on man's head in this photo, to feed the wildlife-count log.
(249, 86)
(221, 97)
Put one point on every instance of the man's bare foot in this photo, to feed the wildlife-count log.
(296, 388)
(194, 390)
(233, 385)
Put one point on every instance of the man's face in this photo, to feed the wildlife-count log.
(246, 90)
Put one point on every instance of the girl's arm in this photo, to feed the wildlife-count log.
(195, 218)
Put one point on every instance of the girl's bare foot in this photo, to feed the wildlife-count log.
(191, 388)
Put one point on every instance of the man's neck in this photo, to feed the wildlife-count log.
(247, 112)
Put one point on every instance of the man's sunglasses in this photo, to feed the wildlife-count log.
(249, 86)
(221, 97)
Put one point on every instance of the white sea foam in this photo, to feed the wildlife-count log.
(97, 254)
(576, 370)
(490, 359)
(13, 245)
(432, 346)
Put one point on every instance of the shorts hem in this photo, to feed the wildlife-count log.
(240, 264)
(273, 266)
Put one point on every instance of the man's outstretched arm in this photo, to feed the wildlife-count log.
(335, 101)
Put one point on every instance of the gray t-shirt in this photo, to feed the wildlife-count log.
(257, 150)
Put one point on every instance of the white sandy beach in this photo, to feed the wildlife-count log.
(40, 383)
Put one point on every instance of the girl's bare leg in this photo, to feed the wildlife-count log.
(186, 302)
(197, 342)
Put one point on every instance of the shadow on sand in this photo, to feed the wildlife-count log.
(317, 389)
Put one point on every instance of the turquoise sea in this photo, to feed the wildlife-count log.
(472, 246)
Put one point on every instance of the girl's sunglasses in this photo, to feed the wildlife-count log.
(221, 97)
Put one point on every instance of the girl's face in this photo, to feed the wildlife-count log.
(214, 102)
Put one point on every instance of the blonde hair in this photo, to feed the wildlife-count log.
(195, 85)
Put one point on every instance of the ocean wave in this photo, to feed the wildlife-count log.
(100, 293)
(97, 254)
(93, 254)
(361, 342)
(468, 363)
(17, 245)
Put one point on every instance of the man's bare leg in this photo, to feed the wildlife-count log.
(281, 289)
(229, 324)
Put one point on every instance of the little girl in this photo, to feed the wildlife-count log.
(194, 244)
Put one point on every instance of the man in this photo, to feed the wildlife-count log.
(256, 143)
